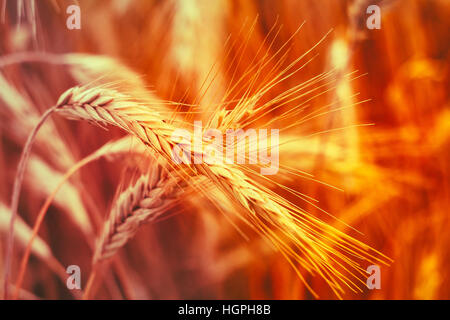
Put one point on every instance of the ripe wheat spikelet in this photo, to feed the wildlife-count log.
(105, 106)
(302, 238)
(142, 202)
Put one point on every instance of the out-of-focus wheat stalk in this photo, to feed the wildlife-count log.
(110, 150)
(23, 234)
(16, 193)
(190, 20)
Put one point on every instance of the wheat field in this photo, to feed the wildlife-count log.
(361, 178)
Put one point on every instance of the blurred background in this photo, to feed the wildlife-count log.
(394, 172)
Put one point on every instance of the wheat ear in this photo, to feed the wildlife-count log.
(316, 246)
(142, 202)
(16, 194)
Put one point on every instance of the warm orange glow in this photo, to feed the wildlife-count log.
(364, 144)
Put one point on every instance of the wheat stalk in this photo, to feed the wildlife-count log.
(314, 242)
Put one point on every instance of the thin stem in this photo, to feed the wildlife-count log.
(16, 194)
(40, 218)
(90, 283)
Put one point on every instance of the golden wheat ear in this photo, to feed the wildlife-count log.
(301, 238)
